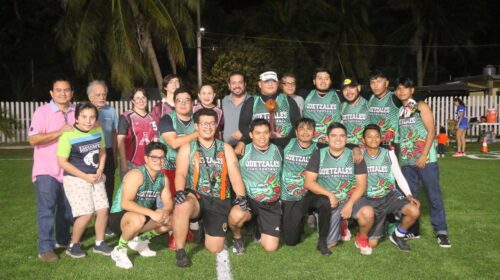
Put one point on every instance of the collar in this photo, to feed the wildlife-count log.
(56, 109)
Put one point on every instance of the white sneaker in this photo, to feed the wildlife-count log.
(141, 247)
(119, 255)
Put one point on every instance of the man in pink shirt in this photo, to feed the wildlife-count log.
(48, 123)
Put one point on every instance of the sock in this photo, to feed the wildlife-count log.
(71, 245)
(122, 243)
(98, 242)
(148, 235)
(400, 232)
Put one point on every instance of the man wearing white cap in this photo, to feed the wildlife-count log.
(285, 116)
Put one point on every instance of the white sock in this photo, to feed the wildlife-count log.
(98, 242)
(399, 234)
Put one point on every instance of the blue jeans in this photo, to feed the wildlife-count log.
(51, 203)
(429, 176)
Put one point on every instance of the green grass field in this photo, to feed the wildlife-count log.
(471, 190)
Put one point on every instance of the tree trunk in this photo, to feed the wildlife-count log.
(173, 65)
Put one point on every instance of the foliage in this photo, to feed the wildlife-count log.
(7, 123)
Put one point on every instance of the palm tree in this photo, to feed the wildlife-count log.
(125, 35)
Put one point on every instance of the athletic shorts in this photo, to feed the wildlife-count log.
(392, 203)
(83, 197)
(214, 213)
(115, 219)
(334, 234)
(268, 216)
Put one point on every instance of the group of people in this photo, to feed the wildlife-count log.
(267, 160)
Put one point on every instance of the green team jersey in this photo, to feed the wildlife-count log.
(355, 118)
(261, 172)
(381, 181)
(181, 129)
(282, 120)
(337, 174)
(412, 133)
(385, 113)
(294, 164)
(209, 168)
(147, 193)
(324, 110)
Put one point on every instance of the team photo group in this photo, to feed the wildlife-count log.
(259, 167)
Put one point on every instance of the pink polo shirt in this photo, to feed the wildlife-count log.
(48, 118)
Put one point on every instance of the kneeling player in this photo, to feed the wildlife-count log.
(332, 172)
(204, 168)
(383, 172)
(133, 211)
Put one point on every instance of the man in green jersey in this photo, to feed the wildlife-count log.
(296, 201)
(354, 111)
(261, 171)
(134, 212)
(322, 104)
(332, 172)
(418, 157)
(206, 170)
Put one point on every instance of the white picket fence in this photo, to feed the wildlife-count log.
(441, 106)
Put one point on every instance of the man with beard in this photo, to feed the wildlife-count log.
(231, 107)
(354, 111)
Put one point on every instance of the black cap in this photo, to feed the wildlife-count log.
(349, 82)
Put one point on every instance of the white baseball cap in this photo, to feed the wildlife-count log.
(268, 75)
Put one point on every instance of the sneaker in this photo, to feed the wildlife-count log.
(399, 242)
(363, 245)
(443, 241)
(141, 246)
(456, 154)
(119, 255)
(102, 249)
(412, 236)
(75, 251)
(323, 248)
(171, 242)
(181, 259)
(109, 233)
(190, 236)
(238, 246)
(345, 233)
(464, 154)
(48, 256)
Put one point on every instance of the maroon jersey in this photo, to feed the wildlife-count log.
(139, 132)
(160, 110)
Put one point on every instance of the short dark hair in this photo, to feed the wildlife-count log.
(442, 130)
(375, 74)
(405, 81)
(235, 73)
(288, 75)
(151, 146)
(306, 121)
(62, 79)
(136, 90)
(259, 122)
(334, 125)
(205, 112)
(167, 79)
(371, 126)
(182, 90)
(319, 70)
(85, 105)
(460, 102)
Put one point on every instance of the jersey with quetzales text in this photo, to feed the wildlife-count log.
(337, 174)
(412, 133)
(385, 113)
(294, 164)
(147, 193)
(324, 110)
(381, 181)
(261, 172)
(355, 118)
(282, 120)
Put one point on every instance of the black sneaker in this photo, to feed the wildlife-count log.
(399, 242)
(181, 259)
(238, 246)
(109, 233)
(75, 251)
(103, 249)
(323, 248)
(412, 236)
(443, 241)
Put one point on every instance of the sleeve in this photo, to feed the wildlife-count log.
(246, 114)
(63, 146)
(115, 119)
(396, 171)
(166, 124)
(123, 125)
(37, 125)
(313, 164)
(360, 168)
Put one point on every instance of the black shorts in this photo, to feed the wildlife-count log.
(115, 219)
(392, 203)
(268, 216)
(214, 213)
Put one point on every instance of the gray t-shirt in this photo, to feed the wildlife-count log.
(231, 115)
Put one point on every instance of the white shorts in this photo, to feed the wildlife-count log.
(83, 197)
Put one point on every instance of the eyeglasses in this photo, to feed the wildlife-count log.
(156, 158)
(208, 124)
(183, 100)
(288, 84)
